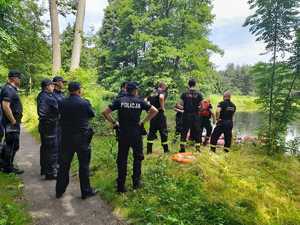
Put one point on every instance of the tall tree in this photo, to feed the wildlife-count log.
(153, 40)
(55, 34)
(77, 45)
(272, 23)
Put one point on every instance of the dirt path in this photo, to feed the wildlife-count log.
(45, 208)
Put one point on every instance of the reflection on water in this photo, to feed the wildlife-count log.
(247, 123)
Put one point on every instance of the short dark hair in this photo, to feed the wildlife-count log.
(74, 86)
(124, 84)
(192, 83)
(14, 73)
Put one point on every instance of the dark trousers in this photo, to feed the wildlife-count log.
(223, 127)
(192, 123)
(71, 144)
(48, 148)
(206, 124)
(12, 141)
(129, 140)
(158, 124)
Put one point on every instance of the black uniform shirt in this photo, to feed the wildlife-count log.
(191, 101)
(9, 93)
(59, 95)
(227, 110)
(121, 94)
(75, 113)
(154, 99)
(47, 106)
(130, 109)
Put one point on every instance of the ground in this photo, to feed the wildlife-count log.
(40, 195)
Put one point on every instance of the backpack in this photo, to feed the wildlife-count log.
(205, 108)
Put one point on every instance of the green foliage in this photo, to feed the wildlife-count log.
(89, 53)
(148, 41)
(284, 109)
(32, 52)
(274, 23)
(12, 208)
(237, 79)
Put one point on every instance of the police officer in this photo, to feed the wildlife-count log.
(47, 108)
(12, 116)
(224, 116)
(130, 108)
(190, 102)
(59, 84)
(75, 113)
(159, 122)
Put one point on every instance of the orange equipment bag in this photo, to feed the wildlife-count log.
(204, 108)
(184, 157)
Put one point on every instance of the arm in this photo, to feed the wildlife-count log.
(218, 111)
(151, 113)
(8, 112)
(176, 109)
(108, 116)
(213, 117)
(162, 102)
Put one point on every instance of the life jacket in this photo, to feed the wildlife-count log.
(205, 108)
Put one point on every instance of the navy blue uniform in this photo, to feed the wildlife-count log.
(191, 120)
(129, 108)
(157, 124)
(75, 113)
(47, 109)
(9, 93)
(60, 96)
(224, 125)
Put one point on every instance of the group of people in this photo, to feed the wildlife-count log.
(64, 127)
(193, 115)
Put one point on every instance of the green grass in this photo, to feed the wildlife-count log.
(12, 208)
(245, 187)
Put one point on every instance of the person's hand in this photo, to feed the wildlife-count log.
(116, 124)
(14, 122)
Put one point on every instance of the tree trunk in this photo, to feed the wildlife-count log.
(75, 61)
(56, 54)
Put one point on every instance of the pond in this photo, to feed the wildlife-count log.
(247, 124)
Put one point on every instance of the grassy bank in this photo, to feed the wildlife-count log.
(241, 188)
(12, 207)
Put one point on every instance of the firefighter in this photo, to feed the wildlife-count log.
(190, 102)
(159, 122)
(224, 116)
(130, 108)
(206, 114)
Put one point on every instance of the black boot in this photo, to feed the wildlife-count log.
(149, 148)
(137, 184)
(166, 148)
(182, 148)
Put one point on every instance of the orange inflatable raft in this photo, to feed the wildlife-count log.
(184, 158)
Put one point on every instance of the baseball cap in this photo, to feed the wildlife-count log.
(74, 86)
(58, 79)
(132, 86)
(14, 73)
(45, 83)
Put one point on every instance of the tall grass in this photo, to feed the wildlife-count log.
(240, 188)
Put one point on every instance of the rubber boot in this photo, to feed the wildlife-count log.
(149, 148)
(137, 184)
(206, 141)
(182, 148)
(166, 148)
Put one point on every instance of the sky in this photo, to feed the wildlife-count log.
(238, 44)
